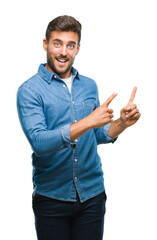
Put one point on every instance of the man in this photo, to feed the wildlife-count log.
(61, 116)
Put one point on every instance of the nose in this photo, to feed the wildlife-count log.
(63, 51)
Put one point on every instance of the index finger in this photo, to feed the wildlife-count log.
(133, 94)
(109, 100)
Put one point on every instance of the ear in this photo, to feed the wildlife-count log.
(45, 44)
(78, 49)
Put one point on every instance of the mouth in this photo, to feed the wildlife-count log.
(61, 60)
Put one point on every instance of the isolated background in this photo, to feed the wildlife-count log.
(119, 51)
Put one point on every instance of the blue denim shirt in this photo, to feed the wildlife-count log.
(46, 110)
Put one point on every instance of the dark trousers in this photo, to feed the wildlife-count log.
(59, 220)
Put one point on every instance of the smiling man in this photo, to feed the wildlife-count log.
(62, 47)
(63, 121)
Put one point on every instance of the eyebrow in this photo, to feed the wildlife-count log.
(58, 40)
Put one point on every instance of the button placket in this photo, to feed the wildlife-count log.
(75, 165)
(75, 150)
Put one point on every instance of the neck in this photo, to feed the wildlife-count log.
(61, 75)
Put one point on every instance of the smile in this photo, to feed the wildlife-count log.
(61, 60)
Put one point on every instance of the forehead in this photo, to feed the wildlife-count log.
(64, 36)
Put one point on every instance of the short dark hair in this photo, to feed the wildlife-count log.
(64, 23)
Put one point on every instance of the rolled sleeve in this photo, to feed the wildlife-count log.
(102, 135)
(106, 132)
(65, 132)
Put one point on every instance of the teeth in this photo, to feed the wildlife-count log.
(61, 60)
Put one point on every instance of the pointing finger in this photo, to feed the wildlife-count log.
(109, 100)
(133, 95)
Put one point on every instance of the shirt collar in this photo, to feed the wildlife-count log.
(49, 76)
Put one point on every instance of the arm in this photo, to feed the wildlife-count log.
(129, 115)
(33, 123)
(100, 117)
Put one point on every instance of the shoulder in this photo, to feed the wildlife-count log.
(31, 82)
(30, 89)
(32, 85)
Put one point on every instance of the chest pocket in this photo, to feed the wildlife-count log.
(88, 106)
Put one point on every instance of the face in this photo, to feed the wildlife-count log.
(61, 51)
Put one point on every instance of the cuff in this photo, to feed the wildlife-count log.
(106, 132)
(65, 132)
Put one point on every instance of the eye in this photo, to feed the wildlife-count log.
(71, 46)
(57, 44)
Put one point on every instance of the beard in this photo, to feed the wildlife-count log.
(54, 69)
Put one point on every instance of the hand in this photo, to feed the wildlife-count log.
(102, 115)
(130, 114)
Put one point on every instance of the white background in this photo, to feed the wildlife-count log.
(119, 51)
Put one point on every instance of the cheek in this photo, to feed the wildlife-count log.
(73, 55)
(53, 52)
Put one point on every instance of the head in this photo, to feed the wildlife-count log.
(62, 44)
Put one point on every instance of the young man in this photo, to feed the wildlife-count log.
(62, 119)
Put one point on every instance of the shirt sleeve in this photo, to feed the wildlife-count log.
(33, 122)
(102, 133)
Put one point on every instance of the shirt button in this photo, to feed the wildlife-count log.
(75, 120)
(75, 178)
(76, 140)
(64, 86)
(73, 146)
(55, 76)
(73, 102)
(75, 160)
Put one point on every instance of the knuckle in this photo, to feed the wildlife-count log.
(134, 106)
